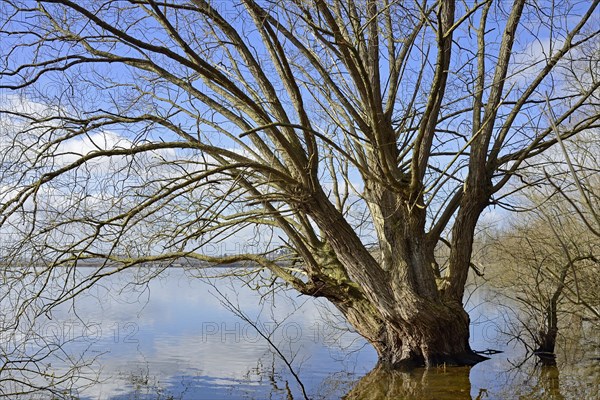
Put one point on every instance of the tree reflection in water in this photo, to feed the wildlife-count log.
(548, 384)
(435, 383)
(530, 381)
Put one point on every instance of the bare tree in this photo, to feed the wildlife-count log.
(27, 358)
(547, 260)
(351, 136)
(553, 248)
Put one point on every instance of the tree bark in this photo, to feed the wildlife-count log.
(408, 326)
(418, 333)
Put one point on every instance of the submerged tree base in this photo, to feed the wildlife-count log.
(466, 359)
(546, 358)
(432, 334)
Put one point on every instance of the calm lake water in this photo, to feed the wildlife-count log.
(175, 339)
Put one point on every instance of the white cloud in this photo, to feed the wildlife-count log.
(527, 62)
(72, 149)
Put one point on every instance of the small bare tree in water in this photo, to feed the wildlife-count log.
(553, 248)
(351, 136)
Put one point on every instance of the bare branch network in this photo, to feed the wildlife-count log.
(341, 140)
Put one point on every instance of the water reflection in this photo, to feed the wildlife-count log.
(435, 383)
(547, 385)
(530, 381)
(172, 339)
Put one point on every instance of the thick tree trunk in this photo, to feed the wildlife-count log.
(436, 339)
(433, 334)
(398, 308)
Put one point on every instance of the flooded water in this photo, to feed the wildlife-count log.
(177, 338)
